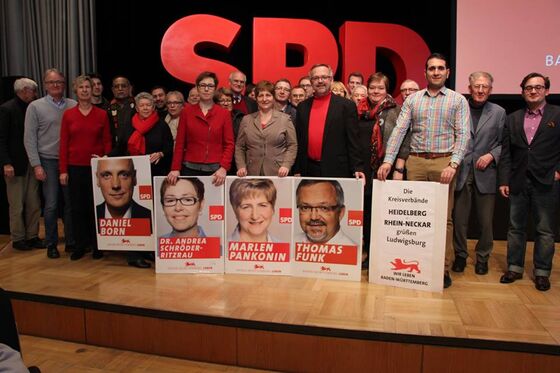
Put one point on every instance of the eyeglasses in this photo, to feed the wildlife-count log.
(538, 88)
(206, 86)
(320, 77)
(306, 209)
(55, 82)
(406, 90)
(174, 103)
(236, 81)
(226, 101)
(185, 201)
(484, 87)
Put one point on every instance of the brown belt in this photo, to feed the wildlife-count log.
(431, 155)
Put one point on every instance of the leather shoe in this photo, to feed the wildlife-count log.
(447, 280)
(542, 283)
(52, 252)
(36, 243)
(96, 254)
(139, 263)
(459, 264)
(21, 245)
(510, 276)
(481, 268)
(77, 254)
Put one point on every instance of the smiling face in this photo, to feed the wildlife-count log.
(144, 108)
(535, 92)
(377, 91)
(55, 84)
(480, 90)
(265, 100)
(116, 178)
(254, 215)
(436, 73)
(183, 219)
(319, 214)
(83, 90)
(321, 79)
(159, 98)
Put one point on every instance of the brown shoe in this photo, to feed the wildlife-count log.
(510, 277)
(542, 283)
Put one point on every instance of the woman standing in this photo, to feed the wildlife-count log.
(147, 134)
(266, 144)
(204, 143)
(84, 133)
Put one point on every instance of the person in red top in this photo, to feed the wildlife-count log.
(204, 144)
(84, 133)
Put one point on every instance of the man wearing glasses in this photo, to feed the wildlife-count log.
(282, 90)
(476, 180)
(237, 82)
(327, 132)
(41, 139)
(321, 208)
(408, 87)
(528, 175)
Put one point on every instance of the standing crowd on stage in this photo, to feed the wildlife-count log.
(317, 128)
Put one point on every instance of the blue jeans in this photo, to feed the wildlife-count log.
(542, 201)
(51, 194)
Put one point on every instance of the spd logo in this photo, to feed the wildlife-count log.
(285, 215)
(145, 192)
(216, 213)
(355, 218)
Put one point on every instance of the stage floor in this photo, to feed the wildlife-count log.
(474, 308)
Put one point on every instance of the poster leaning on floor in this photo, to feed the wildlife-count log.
(122, 193)
(189, 225)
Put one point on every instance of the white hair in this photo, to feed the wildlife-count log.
(22, 83)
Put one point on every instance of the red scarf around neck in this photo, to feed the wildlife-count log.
(137, 141)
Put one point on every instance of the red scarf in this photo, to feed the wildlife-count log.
(137, 141)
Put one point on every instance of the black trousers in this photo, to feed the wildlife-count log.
(83, 214)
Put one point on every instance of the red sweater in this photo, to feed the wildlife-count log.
(204, 139)
(81, 136)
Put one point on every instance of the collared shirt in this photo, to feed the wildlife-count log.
(439, 124)
(531, 122)
(127, 214)
(59, 104)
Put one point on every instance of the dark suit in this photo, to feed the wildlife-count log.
(528, 169)
(341, 154)
(478, 186)
(137, 212)
(12, 150)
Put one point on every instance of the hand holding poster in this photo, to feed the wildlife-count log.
(408, 230)
(259, 225)
(328, 238)
(189, 225)
(123, 203)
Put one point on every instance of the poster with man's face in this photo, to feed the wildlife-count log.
(258, 225)
(189, 225)
(327, 229)
(122, 193)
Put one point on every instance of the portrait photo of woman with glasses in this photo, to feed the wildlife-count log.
(182, 205)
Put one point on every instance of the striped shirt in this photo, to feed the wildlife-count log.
(439, 124)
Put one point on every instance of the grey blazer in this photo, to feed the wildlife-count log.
(264, 151)
(486, 139)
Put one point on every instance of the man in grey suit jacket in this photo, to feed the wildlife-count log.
(476, 181)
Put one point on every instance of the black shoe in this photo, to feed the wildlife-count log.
(97, 254)
(447, 280)
(542, 283)
(510, 276)
(77, 254)
(481, 268)
(52, 252)
(459, 264)
(139, 263)
(69, 248)
(36, 243)
(21, 245)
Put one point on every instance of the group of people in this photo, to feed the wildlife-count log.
(309, 130)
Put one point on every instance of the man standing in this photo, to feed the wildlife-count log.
(327, 131)
(122, 106)
(41, 139)
(160, 100)
(244, 104)
(408, 87)
(438, 119)
(97, 92)
(297, 95)
(22, 188)
(476, 181)
(528, 175)
(354, 79)
(282, 90)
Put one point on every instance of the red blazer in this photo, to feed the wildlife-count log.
(204, 139)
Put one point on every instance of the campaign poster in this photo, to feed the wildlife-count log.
(189, 225)
(327, 228)
(123, 197)
(408, 227)
(258, 225)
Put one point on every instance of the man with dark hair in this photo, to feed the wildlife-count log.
(97, 92)
(439, 120)
(22, 188)
(122, 107)
(159, 94)
(354, 79)
(528, 175)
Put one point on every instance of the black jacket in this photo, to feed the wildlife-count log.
(12, 151)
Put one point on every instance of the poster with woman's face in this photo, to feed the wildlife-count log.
(189, 225)
(258, 225)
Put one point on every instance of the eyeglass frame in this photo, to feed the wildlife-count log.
(323, 209)
(195, 201)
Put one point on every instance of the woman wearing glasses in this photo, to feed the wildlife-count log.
(267, 143)
(204, 143)
(182, 205)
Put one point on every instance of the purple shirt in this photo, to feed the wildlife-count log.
(531, 122)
